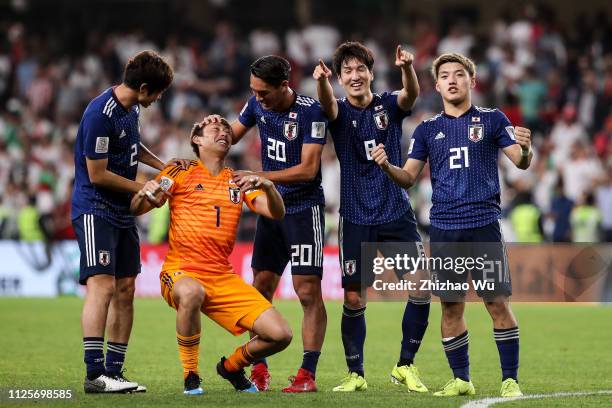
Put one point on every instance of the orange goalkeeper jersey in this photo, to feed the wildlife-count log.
(204, 215)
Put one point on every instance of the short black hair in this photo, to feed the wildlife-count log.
(147, 67)
(271, 69)
(349, 50)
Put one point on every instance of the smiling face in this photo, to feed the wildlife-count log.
(214, 138)
(355, 78)
(454, 83)
(269, 96)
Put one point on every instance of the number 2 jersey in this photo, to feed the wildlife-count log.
(107, 131)
(462, 153)
(282, 136)
(204, 215)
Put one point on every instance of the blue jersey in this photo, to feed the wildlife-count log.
(282, 136)
(107, 131)
(462, 154)
(367, 195)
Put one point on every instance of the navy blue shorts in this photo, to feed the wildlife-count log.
(106, 249)
(457, 244)
(354, 263)
(297, 238)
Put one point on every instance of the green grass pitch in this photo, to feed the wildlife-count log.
(564, 348)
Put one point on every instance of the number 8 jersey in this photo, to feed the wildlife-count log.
(462, 154)
(367, 195)
(282, 136)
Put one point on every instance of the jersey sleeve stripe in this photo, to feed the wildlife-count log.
(175, 171)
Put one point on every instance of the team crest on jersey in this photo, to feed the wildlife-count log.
(290, 130)
(104, 257)
(350, 267)
(382, 120)
(476, 133)
(234, 194)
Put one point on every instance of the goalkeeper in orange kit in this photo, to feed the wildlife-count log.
(197, 276)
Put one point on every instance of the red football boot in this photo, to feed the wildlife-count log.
(304, 381)
(260, 377)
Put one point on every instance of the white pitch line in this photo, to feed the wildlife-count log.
(487, 402)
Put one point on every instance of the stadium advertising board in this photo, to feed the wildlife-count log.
(544, 273)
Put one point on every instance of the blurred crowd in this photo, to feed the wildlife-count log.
(555, 79)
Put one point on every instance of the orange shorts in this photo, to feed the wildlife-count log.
(229, 300)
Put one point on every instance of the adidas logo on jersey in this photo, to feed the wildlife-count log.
(263, 119)
(440, 135)
(199, 187)
(122, 134)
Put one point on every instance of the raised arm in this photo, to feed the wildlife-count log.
(410, 90)
(328, 101)
(238, 131)
(404, 177)
(520, 153)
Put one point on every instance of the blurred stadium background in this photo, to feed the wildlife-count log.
(546, 64)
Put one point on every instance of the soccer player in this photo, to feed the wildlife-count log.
(462, 144)
(107, 152)
(293, 130)
(372, 208)
(197, 276)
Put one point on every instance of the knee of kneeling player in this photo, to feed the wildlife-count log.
(191, 297)
(281, 336)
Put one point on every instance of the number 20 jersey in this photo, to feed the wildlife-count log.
(282, 136)
(462, 153)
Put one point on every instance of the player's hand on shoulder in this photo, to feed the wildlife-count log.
(321, 72)
(184, 163)
(523, 137)
(403, 58)
(380, 156)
